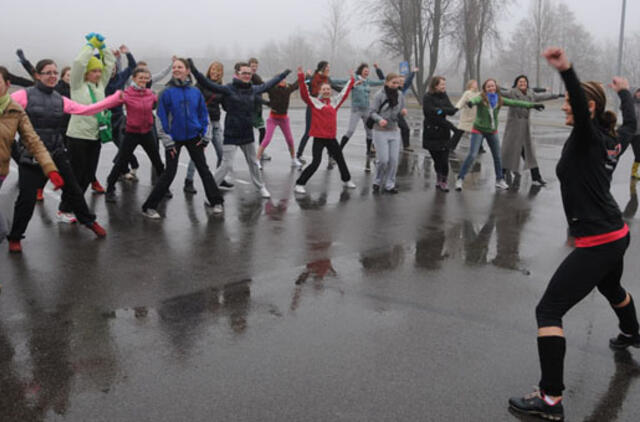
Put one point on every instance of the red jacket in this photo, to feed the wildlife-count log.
(139, 109)
(324, 112)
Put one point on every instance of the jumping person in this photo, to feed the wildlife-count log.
(467, 115)
(182, 121)
(436, 107)
(517, 138)
(486, 126)
(387, 107)
(279, 97)
(213, 101)
(601, 236)
(323, 128)
(140, 102)
(89, 78)
(239, 98)
(13, 119)
(360, 107)
(46, 109)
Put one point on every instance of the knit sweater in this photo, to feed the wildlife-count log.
(86, 127)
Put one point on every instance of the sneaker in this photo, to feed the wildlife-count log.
(226, 185)
(300, 189)
(264, 192)
(459, 185)
(110, 196)
(375, 188)
(442, 186)
(367, 166)
(97, 187)
(296, 163)
(15, 246)
(98, 229)
(151, 213)
(331, 164)
(392, 191)
(501, 184)
(482, 150)
(265, 157)
(533, 404)
(539, 182)
(131, 176)
(168, 194)
(40, 195)
(66, 217)
(259, 164)
(301, 159)
(408, 149)
(623, 341)
(188, 187)
(217, 209)
(349, 185)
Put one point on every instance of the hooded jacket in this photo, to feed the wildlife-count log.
(182, 113)
(139, 103)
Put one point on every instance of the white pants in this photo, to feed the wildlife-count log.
(387, 154)
(226, 167)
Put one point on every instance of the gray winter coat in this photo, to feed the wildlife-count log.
(388, 113)
(517, 133)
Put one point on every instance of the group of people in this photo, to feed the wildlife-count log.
(94, 89)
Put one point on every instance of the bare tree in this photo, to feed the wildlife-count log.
(413, 30)
(338, 17)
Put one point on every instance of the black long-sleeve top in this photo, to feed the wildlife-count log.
(586, 165)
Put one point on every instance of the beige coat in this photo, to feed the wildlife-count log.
(467, 115)
(15, 120)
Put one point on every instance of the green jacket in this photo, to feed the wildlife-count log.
(86, 127)
(486, 118)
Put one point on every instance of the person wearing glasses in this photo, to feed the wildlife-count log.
(239, 99)
(46, 108)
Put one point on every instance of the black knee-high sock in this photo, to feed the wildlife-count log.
(628, 318)
(263, 132)
(344, 141)
(535, 173)
(369, 142)
(551, 351)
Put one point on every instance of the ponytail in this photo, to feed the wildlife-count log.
(608, 120)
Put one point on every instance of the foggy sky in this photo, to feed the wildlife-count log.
(55, 29)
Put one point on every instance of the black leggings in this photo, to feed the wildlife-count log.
(305, 137)
(334, 151)
(585, 268)
(635, 144)
(84, 156)
(119, 135)
(440, 160)
(405, 131)
(131, 140)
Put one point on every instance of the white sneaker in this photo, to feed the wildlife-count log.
(259, 164)
(349, 185)
(131, 175)
(501, 184)
(66, 217)
(459, 185)
(296, 163)
(151, 213)
(300, 189)
(264, 192)
(217, 209)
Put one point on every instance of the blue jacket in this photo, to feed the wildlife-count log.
(182, 113)
(360, 93)
(239, 101)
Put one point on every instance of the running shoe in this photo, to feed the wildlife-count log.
(15, 246)
(188, 187)
(441, 185)
(301, 159)
(66, 217)
(367, 166)
(264, 193)
(623, 341)
(97, 229)
(459, 185)
(539, 182)
(131, 176)
(265, 157)
(97, 187)
(349, 185)
(534, 404)
(151, 213)
(300, 189)
(40, 195)
(296, 163)
(501, 184)
(226, 185)
(216, 209)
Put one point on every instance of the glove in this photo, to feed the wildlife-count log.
(20, 55)
(539, 107)
(56, 179)
(95, 40)
(469, 104)
(202, 142)
(172, 151)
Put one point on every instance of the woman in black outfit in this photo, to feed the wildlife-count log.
(601, 237)
(436, 133)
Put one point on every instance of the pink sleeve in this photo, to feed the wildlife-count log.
(20, 97)
(71, 107)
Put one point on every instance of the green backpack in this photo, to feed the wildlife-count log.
(105, 132)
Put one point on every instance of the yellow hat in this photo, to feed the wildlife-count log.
(94, 63)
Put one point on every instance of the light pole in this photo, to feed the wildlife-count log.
(621, 41)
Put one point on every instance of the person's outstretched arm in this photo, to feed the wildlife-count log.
(304, 91)
(629, 121)
(259, 89)
(26, 64)
(206, 82)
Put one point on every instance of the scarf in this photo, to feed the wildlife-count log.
(4, 103)
(493, 99)
(392, 95)
(46, 89)
(137, 88)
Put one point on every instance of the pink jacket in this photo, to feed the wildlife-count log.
(71, 107)
(139, 105)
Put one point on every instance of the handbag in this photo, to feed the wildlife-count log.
(105, 131)
(370, 120)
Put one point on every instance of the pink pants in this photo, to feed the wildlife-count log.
(283, 123)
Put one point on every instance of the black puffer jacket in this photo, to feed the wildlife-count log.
(436, 128)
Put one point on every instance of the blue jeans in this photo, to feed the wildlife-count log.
(216, 140)
(476, 142)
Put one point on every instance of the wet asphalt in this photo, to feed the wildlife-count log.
(339, 306)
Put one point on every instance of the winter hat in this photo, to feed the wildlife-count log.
(94, 63)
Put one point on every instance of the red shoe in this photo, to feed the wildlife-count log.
(98, 229)
(15, 246)
(40, 195)
(97, 187)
